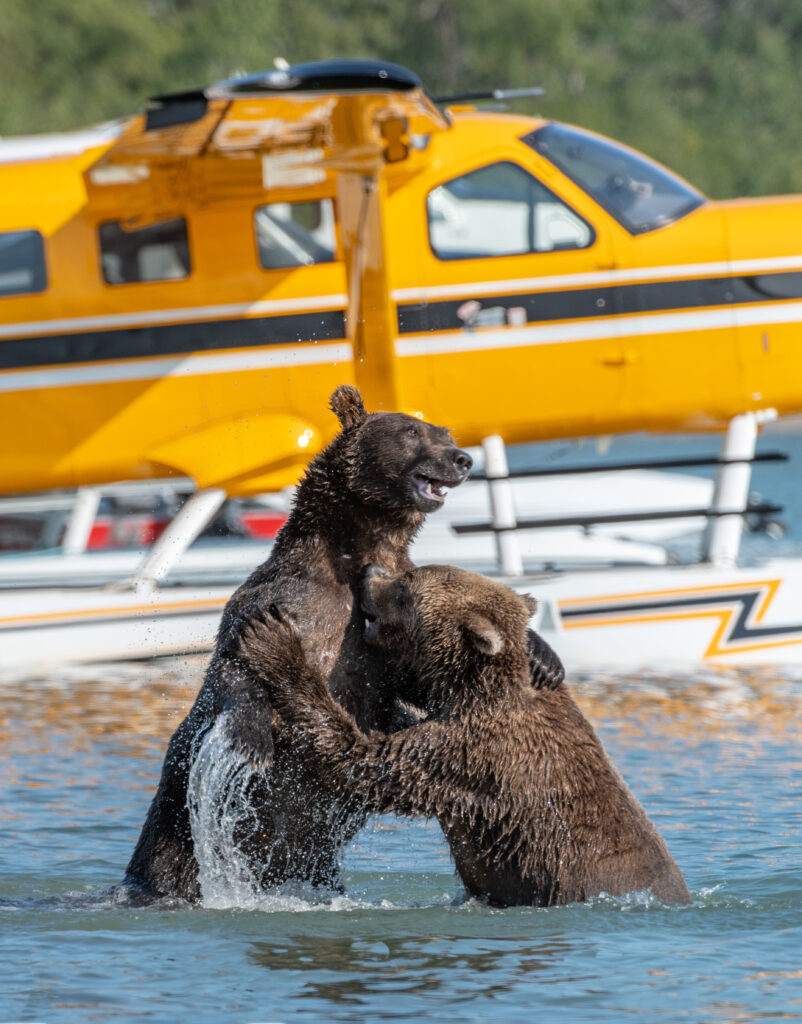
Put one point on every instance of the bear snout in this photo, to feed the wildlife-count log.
(462, 460)
(371, 618)
(371, 580)
(436, 471)
(378, 598)
(446, 463)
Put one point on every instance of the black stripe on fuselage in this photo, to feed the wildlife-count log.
(612, 300)
(413, 318)
(171, 339)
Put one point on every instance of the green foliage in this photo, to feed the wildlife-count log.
(710, 87)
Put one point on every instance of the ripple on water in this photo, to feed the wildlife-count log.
(714, 757)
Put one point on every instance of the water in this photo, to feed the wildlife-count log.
(715, 758)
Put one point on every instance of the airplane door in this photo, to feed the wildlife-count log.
(767, 283)
(503, 314)
(675, 304)
(672, 295)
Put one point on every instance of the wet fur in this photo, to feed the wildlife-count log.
(354, 506)
(533, 809)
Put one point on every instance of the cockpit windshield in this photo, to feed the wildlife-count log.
(639, 193)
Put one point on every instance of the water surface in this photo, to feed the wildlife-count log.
(715, 759)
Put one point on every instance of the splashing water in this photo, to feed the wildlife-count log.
(220, 802)
(222, 810)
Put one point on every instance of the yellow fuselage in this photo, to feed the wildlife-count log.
(224, 374)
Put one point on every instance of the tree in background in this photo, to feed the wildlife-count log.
(709, 87)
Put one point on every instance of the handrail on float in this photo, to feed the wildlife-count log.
(757, 508)
(729, 505)
(614, 467)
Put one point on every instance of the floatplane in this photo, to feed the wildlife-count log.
(183, 289)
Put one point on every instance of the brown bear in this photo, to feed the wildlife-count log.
(362, 500)
(533, 809)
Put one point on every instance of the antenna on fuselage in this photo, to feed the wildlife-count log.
(492, 94)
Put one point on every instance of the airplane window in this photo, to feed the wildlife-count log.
(500, 210)
(22, 263)
(156, 252)
(295, 234)
(638, 192)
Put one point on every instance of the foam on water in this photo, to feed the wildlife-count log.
(298, 897)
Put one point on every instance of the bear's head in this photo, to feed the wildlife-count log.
(459, 634)
(394, 461)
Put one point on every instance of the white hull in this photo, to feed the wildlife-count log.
(675, 616)
(41, 627)
(204, 564)
(54, 610)
(625, 619)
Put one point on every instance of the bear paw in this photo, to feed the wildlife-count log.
(546, 668)
(267, 643)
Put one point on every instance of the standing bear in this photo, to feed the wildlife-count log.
(362, 500)
(533, 809)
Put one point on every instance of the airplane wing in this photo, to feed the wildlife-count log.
(274, 129)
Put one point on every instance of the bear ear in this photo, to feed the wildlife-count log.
(346, 404)
(530, 602)
(483, 634)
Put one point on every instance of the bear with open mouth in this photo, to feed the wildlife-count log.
(362, 500)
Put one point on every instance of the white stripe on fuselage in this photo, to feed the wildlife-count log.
(482, 339)
(175, 366)
(600, 328)
(469, 289)
(149, 317)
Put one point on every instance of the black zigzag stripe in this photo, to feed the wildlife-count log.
(740, 628)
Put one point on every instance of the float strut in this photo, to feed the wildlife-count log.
(81, 520)
(190, 521)
(502, 506)
(722, 539)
